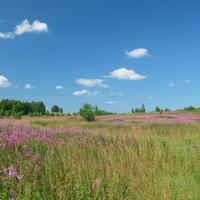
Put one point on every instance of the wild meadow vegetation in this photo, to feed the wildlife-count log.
(135, 156)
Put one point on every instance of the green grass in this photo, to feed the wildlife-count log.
(81, 123)
(143, 162)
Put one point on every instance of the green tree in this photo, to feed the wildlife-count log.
(55, 109)
(87, 112)
(60, 110)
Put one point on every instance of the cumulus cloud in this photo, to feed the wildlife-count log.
(59, 87)
(85, 92)
(28, 86)
(91, 82)
(126, 74)
(25, 27)
(137, 53)
(171, 84)
(4, 82)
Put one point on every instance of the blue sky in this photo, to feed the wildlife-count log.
(116, 54)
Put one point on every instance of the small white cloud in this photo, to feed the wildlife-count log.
(25, 27)
(28, 86)
(80, 92)
(59, 87)
(111, 102)
(85, 92)
(187, 81)
(8, 35)
(171, 84)
(137, 53)
(126, 74)
(91, 82)
(4, 83)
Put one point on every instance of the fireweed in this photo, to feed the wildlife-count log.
(157, 158)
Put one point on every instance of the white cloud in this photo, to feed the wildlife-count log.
(8, 35)
(91, 82)
(4, 83)
(171, 84)
(28, 86)
(111, 102)
(85, 92)
(137, 53)
(59, 87)
(187, 81)
(25, 27)
(126, 74)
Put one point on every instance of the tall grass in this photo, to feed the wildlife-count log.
(143, 162)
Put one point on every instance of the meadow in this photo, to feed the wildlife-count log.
(117, 157)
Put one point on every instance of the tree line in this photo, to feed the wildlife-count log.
(89, 112)
(142, 109)
(16, 108)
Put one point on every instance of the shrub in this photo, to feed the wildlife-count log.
(17, 115)
(1, 113)
(87, 112)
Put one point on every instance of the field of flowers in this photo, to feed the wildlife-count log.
(139, 156)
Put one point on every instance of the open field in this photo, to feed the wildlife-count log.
(139, 156)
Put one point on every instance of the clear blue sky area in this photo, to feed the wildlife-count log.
(117, 54)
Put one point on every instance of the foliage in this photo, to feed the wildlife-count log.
(191, 109)
(161, 110)
(158, 109)
(87, 111)
(99, 111)
(9, 107)
(56, 109)
(139, 110)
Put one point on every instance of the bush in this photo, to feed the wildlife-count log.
(2, 113)
(87, 112)
(17, 115)
(35, 114)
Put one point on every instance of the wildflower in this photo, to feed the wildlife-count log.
(12, 172)
(96, 182)
(12, 196)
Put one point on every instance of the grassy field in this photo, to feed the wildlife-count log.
(114, 158)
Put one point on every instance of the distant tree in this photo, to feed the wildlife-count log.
(189, 108)
(55, 109)
(87, 112)
(98, 111)
(143, 110)
(158, 109)
(60, 110)
(139, 110)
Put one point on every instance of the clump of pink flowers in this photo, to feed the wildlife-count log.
(12, 172)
